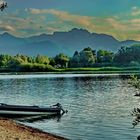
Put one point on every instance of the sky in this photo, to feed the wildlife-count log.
(119, 18)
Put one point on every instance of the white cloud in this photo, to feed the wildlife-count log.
(84, 21)
(134, 8)
(7, 28)
(135, 11)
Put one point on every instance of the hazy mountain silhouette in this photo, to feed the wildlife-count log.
(65, 42)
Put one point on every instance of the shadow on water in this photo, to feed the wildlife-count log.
(39, 118)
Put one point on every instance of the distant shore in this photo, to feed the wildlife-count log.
(96, 70)
(72, 72)
(10, 130)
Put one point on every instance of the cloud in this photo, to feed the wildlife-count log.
(135, 11)
(116, 24)
(7, 28)
(109, 25)
(134, 7)
(135, 22)
(83, 21)
(33, 21)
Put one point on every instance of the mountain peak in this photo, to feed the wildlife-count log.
(79, 30)
(73, 31)
(9, 36)
(5, 34)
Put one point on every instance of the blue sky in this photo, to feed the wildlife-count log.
(120, 18)
(84, 7)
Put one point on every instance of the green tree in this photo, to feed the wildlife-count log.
(4, 60)
(42, 59)
(75, 60)
(126, 55)
(104, 56)
(52, 62)
(85, 58)
(62, 60)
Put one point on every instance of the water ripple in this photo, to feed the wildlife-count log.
(99, 108)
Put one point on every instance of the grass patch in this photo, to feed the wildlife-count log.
(102, 69)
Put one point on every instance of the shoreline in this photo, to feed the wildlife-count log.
(11, 130)
(96, 70)
(72, 72)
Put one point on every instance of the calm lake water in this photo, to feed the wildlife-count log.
(99, 105)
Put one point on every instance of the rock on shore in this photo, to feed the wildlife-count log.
(10, 130)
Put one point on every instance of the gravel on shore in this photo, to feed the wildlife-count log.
(11, 130)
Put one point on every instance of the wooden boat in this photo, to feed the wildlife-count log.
(25, 111)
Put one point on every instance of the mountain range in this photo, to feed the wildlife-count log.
(60, 42)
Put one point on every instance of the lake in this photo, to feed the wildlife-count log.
(99, 106)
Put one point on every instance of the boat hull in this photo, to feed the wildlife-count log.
(25, 111)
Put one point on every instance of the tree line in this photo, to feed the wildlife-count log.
(125, 56)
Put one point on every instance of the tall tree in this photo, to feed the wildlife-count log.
(85, 58)
(104, 56)
(127, 55)
(62, 60)
(42, 59)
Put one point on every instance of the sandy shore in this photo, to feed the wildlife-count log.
(10, 130)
